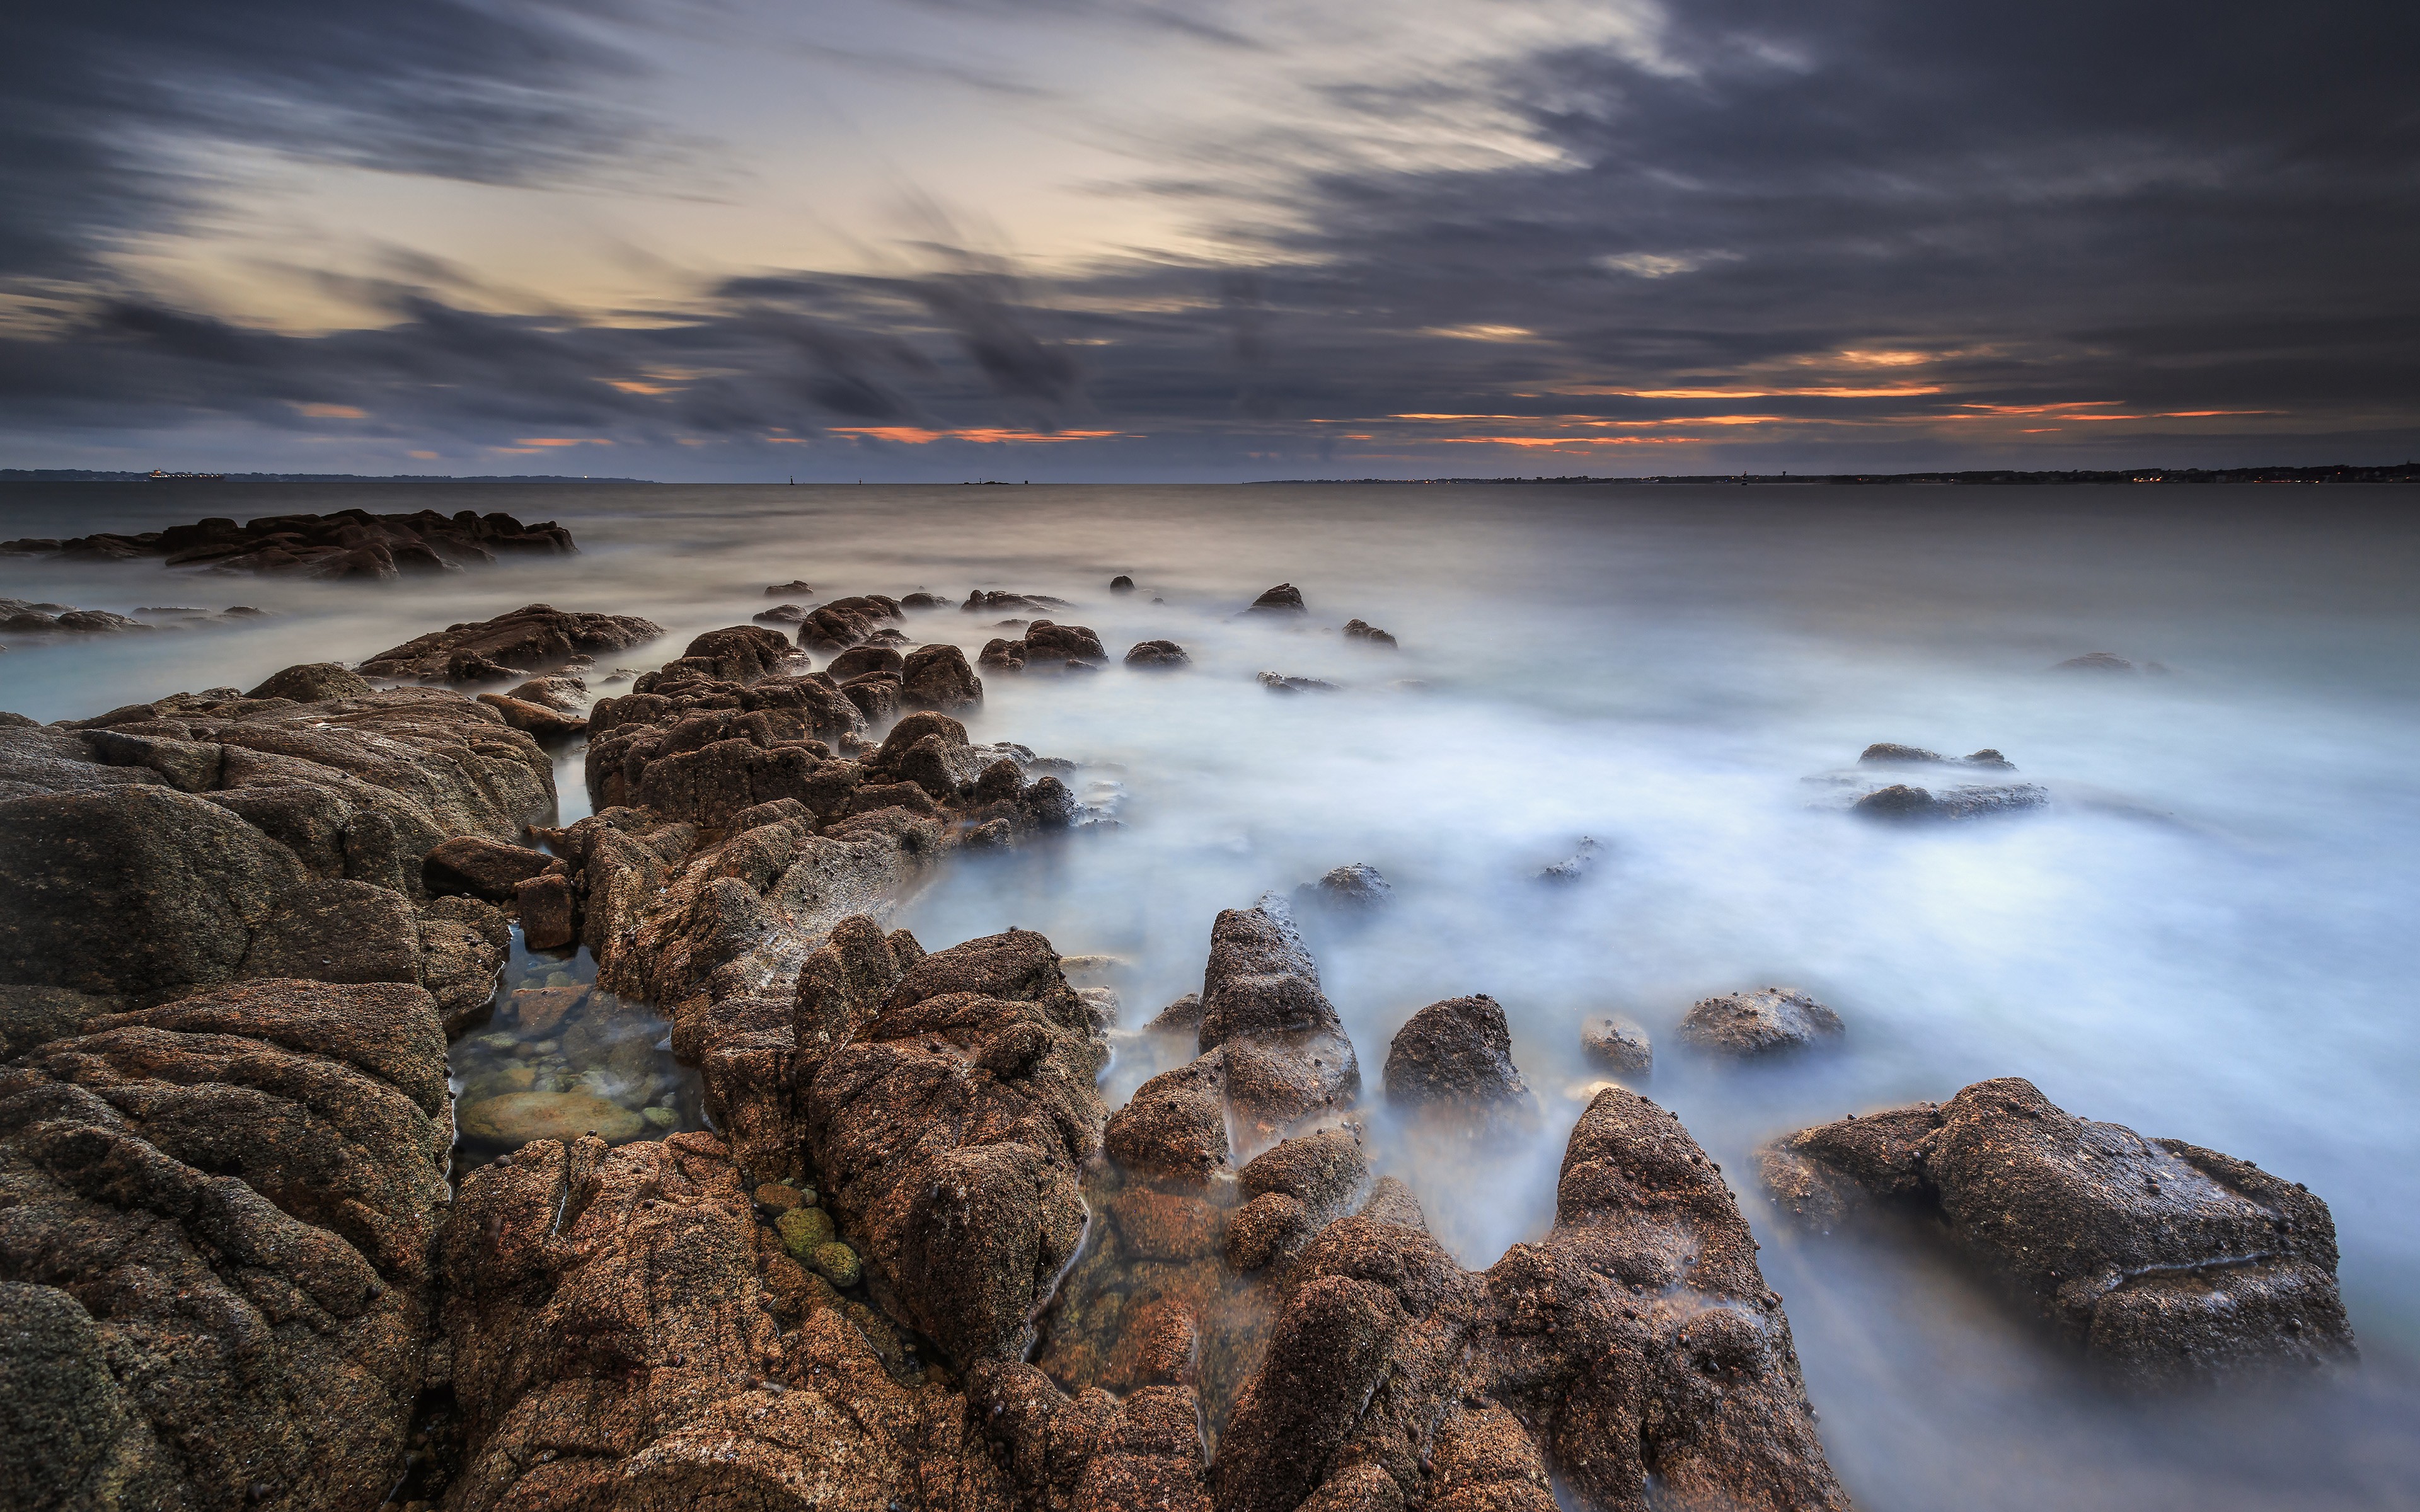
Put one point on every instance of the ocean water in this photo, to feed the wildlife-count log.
(2209, 932)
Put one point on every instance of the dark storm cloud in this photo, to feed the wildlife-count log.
(107, 107)
(2056, 205)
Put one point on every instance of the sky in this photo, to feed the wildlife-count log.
(1227, 239)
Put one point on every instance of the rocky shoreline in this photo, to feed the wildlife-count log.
(916, 1262)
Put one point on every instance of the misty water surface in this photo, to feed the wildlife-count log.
(2207, 935)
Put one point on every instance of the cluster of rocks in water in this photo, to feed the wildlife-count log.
(348, 544)
(1861, 793)
(918, 1265)
(30, 617)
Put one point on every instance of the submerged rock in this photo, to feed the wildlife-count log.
(1757, 1023)
(1279, 683)
(1354, 889)
(1902, 802)
(1577, 866)
(1367, 634)
(1618, 1046)
(1285, 598)
(2165, 1262)
(1122, 585)
(2095, 661)
(518, 1118)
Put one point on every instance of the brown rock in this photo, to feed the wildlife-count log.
(1456, 1056)
(937, 677)
(949, 1130)
(1618, 1046)
(2163, 1262)
(1757, 1023)
(254, 1181)
(481, 868)
(549, 911)
(533, 637)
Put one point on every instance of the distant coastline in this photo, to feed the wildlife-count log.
(2406, 472)
(90, 476)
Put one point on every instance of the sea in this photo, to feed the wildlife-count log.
(2208, 932)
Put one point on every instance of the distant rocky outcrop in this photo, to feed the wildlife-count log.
(2165, 1262)
(1885, 753)
(350, 542)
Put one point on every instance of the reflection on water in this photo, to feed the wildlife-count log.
(2206, 934)
(556, 1058)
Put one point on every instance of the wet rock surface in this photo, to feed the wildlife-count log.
(1356, 888)
(216, 1258)
(1287, 1057)
(1617, 1046)
(1285, 598)
(1367, 634)
(1157, 653)
(168, 847)
(2165, 1262)
(536, 637)
(1636, 1345)
(1885, 753)
(1453, 1060)
(1765, 1021)
(1902, 802)
(949, 1129)
(348, 544)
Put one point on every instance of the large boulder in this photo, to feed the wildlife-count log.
(949, 1130)
(215, 1268)
(2163, 1262)
(535, 638)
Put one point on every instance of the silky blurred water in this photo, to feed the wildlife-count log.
(2208, 935)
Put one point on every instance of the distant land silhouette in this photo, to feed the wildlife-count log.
(2339, 472)
(90, 476)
